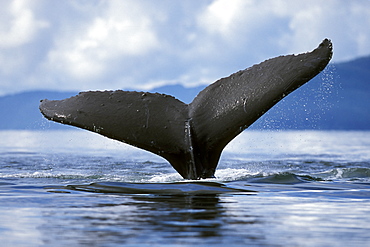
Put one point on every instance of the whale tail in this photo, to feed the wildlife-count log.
(191, 137)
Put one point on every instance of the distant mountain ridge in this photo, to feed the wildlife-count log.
(337, 99)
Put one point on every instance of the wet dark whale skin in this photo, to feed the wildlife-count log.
(191, 137)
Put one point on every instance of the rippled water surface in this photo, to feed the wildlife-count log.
(289, 188)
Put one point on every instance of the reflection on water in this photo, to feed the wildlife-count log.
(272, 189)
(292, 213)
(144, 219)
(292, 218)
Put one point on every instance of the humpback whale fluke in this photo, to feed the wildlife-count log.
(191, 137)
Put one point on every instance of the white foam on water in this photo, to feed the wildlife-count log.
(231, 174)
(228, 174)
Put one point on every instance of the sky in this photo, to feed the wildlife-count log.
(141, 44)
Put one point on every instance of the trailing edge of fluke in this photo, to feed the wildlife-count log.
(190, 136)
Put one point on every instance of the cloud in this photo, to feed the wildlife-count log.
(345, 22)
(19, 28)
(19, 25)
(121, 31)
(97, 44)
(291, 26)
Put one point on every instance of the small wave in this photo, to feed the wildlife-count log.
(280, 178)
(351, 174)
(179, 188)
(51, 175)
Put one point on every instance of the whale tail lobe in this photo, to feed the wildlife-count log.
(191, 137)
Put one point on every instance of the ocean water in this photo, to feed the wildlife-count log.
(282, 188)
